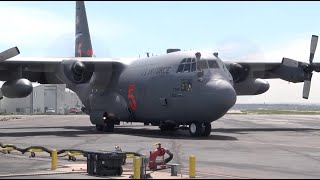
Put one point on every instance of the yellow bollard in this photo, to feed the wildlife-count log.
(54, 155)
(136, 168)
(192, 166)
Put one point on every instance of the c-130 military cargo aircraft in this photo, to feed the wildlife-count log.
(177, 89)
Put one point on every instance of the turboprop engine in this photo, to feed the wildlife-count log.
(18, 88)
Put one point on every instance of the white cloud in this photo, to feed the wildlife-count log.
(31, 26)
(39, 32)
(298, 49)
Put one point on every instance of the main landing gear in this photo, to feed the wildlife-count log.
(107, 127)
(108, 124)
(197, 129)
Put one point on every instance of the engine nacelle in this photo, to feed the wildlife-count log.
(76, 71)
(19, 88)
(238, 72)
(291, 74)
(252, 87)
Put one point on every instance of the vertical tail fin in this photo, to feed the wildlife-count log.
(83, 47)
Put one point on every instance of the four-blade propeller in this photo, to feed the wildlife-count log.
(310, 67)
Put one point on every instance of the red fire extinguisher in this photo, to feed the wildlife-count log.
(159, 151)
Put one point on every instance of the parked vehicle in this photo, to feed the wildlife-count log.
(50, 110)
(74, 110)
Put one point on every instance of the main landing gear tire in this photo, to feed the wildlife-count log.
(207, 129)
(195, 129)
(120, 171)
(109, 126)
(168, 127)
(99, 128)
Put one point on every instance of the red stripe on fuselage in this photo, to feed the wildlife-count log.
(131, 98)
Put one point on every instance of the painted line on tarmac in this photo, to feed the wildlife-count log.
(38, 174)
(215, 174)
(279, 144)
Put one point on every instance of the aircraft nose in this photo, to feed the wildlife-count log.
(223, 94)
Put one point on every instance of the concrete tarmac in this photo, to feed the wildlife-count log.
(240, 146)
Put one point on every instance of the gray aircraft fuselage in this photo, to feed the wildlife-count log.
(151, 90)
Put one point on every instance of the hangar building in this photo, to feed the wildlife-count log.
(52, 96)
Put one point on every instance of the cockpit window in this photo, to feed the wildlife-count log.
(186, 68)
(202, 64)
(180, 68)
(213, 64)
(187, 65)
(193, 67)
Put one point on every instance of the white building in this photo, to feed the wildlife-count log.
(44, 96)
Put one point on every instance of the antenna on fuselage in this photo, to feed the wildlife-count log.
(147, 54)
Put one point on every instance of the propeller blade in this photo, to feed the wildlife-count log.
(313, 46)
(9, 53)
(306, 89)
(306, 86)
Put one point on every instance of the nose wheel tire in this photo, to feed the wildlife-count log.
(195, 129)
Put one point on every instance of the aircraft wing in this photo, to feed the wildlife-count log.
(44, 70)
(263, 70)
(289, 70)
(246, 73)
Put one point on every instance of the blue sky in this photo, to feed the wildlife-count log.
(256, 31)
